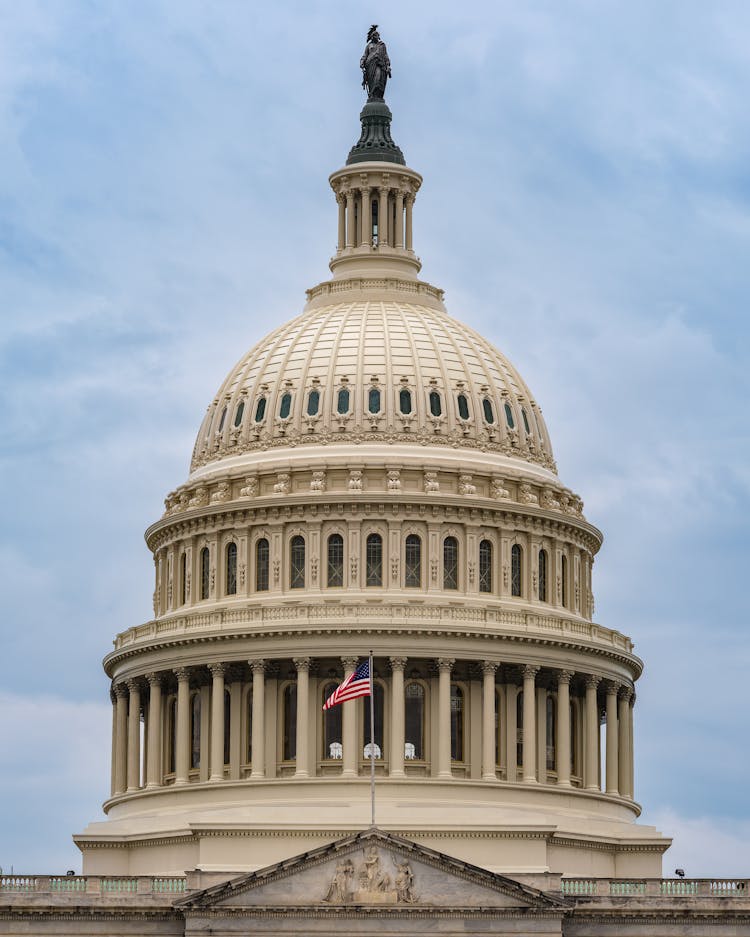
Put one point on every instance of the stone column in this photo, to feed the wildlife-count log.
(397, 716)
(365, 220)
(562, 741)
(217, 721)
(153, 751)
(341, 200)
(591, 748)
(612, 754)
(121, 738)
(258, 736)
(182, 748)
(409, 203)
(383, 215)
(529, 724)
(511, 732)
(303, 715)
(134, 735)
(349, 725)
(399, 239)
(445, 664)
(623, 766)
(113, 700)
(351, 234)
(489, 735)
(631, 744)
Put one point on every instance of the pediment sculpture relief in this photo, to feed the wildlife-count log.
(370, 883)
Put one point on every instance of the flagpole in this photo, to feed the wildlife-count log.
(372, 744)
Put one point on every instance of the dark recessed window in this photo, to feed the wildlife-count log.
(260, 410)
(343, 401)
(450, 563)
(239, 413)
(542, 575)
(313, 402)
(414, 705)
(485, 566)
(297, 563)
(286, 406)
(457, 723)
(509, 416)
(373, 400)
(463, 407)
(404, 401)
(564, 579)
(205, 572)
(231, 569)
(436, 405)
(223, 418)
(525, 422)
(489, 416)
(516, 560)
(261, 565)
(413, 562)
(335, 560)
(374, 560)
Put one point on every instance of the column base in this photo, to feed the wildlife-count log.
(152, 785)
(302, 774)
(257, 775)
(564, 784)
(489, 777)
(530, 781)
(215, 777)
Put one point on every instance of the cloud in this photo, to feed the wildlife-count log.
(704, 846)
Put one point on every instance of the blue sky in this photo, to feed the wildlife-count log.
(586, 205)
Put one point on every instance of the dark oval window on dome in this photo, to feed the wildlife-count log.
(489, 416)
(343, 401)
(404, 401)
(463, 407)
(525, 422)
(313, 402)
(239, 413)
(260, 410)
(373, 400)
(286, 406)
(436, 404)
(509, 416)
(223, 417)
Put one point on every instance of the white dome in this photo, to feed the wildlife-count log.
(374, 371)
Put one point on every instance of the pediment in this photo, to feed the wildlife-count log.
(373, 869)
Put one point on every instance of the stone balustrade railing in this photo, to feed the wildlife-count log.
(91, 884)
(233, 618)
(656, 887)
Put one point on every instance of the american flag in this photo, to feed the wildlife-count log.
(358, 684)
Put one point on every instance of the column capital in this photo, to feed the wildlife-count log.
(217, 670)
(120, 690)
(258, 666)
(350, 663)
(592, 681)
(302, 663)
(565, 676)
(445, 664)
(530, 671)
(397, 663)
(154, 679)
(489, 666)
(626, 692)
(133, 684)
(182, 674)
(612, 687)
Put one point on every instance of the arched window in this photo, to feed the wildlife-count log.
(542, 575)
(239, 413)
(342, 405)
(261, 565)
(457, 723)
(260, 409)
(335, 560)
(373, 400)
(297, 563)
(227, 726)
(249, 724)
(374, 560)
(525, 422)
(378, 702)
(286, 405)
(489, 415)
(450, 563)
(413, 562)
(551, 729)
(205, 572)
(313, 402)
(564, 579)
(195, 730)
(436, 404)
(404, 401)
(414, 729)
(485, 566)
(516, 568)
(289, 722)
(223, 418)
(183, 578)
(332, 731)
(463, 407)
(172, 736)
(231, 569)
(509, 416)
(519, 729)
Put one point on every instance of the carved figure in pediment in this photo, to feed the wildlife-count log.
(372, 878)
(404, 882)
(339, 891)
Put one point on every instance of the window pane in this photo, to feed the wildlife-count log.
(332, 733)
(205, 573)
(450, 563)
(542, 575)
(488, 412)
(485, 566)
(313, 402)
(286, 406)
(436, 406)
(343, 401)
(290, 722)
(239, 413)
(373, 400)
(297, 563)
(509, 416)
(378, 701)
(413, 562)
(404, 401)
(515, 570)
(457, 723)
(260, 409)
(195, 731)
(414, 722)
(231, 569)
(172, 737)
(519, 729)
(374, 560)
(463, 407)
(336, 560)
(261, 565)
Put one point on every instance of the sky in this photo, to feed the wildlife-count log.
(586, 206)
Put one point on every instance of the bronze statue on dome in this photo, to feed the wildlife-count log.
(375, 65)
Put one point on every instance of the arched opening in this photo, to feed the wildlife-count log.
(373, 400)
(231, 579)
(289, 722)
(378, 701)
(489, 415)
(297, 563)
(516, 569)
(457, 723)
(413, 562)
(450, 563)
(463, 407)
(205, 572)
(335, 566)
(195, 730)
(374, 560)
(485, 566)
(313, 402)
(551, 732)
(285, 407)
(436, 404)
(542, 575)
(261, 565)
(260, 409)
(239, 413)
(333, 748)
(404, 401)
(414, 716)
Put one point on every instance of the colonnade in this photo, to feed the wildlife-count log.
(394, 217)
(503, 737)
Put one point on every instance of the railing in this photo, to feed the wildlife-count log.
(656, 887)
(92, 884)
